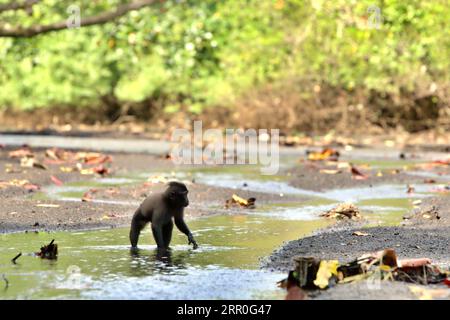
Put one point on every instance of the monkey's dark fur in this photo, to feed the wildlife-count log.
(159, 209)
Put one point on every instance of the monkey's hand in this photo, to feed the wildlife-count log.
(192, 241)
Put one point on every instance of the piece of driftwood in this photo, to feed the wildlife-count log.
(306, 269)
(13, 260)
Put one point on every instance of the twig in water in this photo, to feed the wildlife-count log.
(6, 281)
(16, 257)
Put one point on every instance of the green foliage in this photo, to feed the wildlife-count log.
(192, 54)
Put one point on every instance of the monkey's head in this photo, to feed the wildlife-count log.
(176, 193)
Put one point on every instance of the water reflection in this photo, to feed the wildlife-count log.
(225, 266)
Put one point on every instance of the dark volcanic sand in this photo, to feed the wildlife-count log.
(343, 246)
(419, 238)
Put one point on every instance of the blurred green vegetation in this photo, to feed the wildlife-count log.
(191, 54)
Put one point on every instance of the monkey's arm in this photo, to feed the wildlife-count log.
(137, 224)
(181, 225)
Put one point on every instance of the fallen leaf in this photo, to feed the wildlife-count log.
(357, 174)
(343, 165)
(27, 185)
(330, 171)
(20, 153)
(88, 195)
(97, 159)
(31, 162)
(56, 181)
(31, 187)
(68, 169)
(236, 200)
(343, 210)
(101, 170)
(360, 234)
(59, 155)
(325, 154)
(327, 269)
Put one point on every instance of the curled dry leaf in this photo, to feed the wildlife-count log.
(56, 181)
(101, 170)
(238, 201)
(357, 174)
(343, 210)
(325, 154)
(27, 185)
(21, 153)
(330, 171)
(59, 155)
(97, 159)
(88, 195)
(30, 162)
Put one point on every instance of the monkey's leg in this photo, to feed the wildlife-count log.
(137, 224)
(167, 234)
(158, 236)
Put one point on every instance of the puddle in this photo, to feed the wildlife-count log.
(99, 265)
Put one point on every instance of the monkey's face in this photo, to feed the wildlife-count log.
(179, 198)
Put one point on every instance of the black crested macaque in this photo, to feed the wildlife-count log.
(159, 209)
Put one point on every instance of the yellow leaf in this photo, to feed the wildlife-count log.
(327, 269)
(239, 200)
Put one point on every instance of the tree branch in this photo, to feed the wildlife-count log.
(17, 5)
(89, 21)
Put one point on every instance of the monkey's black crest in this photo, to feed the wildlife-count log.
(159, 209)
